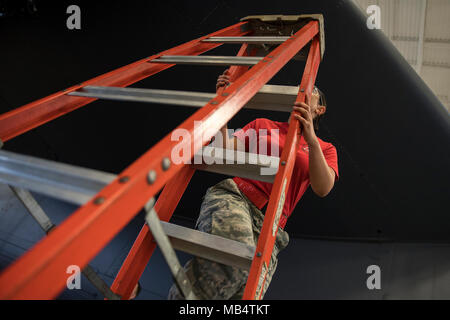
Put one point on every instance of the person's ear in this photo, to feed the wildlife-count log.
(321, 110)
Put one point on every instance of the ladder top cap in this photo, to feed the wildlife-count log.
(277, 17)
(292, 19)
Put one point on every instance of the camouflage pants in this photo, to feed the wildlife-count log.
(226, 212)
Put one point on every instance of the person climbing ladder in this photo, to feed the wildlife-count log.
(233, 207)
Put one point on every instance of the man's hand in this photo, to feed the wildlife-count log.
(223, 80)
(303, 114)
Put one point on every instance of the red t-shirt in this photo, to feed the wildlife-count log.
(259, 192)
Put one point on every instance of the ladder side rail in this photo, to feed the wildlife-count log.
(41, 271)
(34, 114)
(144, 245)
(264, 248)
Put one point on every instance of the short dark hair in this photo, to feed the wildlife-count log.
(322, 102)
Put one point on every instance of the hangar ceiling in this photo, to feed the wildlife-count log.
(420, 30)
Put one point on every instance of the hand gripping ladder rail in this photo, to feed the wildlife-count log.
(108, 202)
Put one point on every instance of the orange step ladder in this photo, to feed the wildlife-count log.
(109, 202)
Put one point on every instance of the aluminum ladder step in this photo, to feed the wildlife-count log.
(208, 60)
(240, 164)
(269, 97)
(249, 40)
(209, 246)
(78, 185)
(57, 180)
(170, 237)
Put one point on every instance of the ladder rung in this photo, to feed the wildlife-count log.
(57, 180)
(255, 166)
(269, 97)
(209, 246)
(250, 40)
(274, 98)
(173, 97)
(208, 60)
(78, 185)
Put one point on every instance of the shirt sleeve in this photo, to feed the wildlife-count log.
(331, 158)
